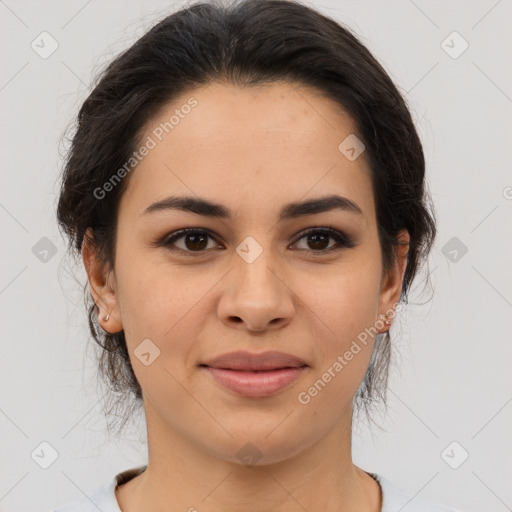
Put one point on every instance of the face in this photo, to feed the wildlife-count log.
(263, 276)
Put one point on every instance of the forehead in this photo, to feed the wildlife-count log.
(249, 147)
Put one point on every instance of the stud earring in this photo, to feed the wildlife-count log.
(107, 317)
(388, 321)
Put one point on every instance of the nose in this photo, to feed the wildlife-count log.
(256, 297)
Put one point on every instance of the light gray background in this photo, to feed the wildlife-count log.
(453, 379)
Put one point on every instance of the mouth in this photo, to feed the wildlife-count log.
(255, 375)
(256, 383)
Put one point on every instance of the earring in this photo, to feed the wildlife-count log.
(388, 321)
(107, 317)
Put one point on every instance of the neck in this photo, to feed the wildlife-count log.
(184, 476)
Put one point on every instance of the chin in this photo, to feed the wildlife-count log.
(258, 446)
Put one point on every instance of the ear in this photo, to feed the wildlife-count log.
(392, 282)
(102, 285)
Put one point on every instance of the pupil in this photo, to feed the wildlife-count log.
(195, 244)
(315, 237)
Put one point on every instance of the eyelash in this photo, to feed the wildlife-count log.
(341, 240)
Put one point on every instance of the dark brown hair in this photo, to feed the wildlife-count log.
(245, 43)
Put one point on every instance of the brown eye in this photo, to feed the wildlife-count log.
(317, 240)
(194, 241)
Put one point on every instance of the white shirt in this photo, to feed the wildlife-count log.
(104, 499)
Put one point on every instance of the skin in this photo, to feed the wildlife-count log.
(252, 150)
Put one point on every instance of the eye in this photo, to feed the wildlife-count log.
(317, 240)
(194, 241)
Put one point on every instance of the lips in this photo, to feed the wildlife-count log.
(248, 361)
(255, 375)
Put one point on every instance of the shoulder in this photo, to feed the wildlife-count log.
(104, 498)
(394, 499)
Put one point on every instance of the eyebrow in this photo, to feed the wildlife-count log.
(289, 211)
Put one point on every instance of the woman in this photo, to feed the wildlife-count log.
(246, 189)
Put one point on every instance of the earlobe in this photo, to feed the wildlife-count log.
(392, 282)
(102, 291)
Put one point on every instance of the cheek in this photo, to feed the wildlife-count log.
(162, 307)
(158, 304)
(162, 303)
(350, 300)
(348, 306)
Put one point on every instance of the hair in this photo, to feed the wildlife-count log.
(243, 43)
